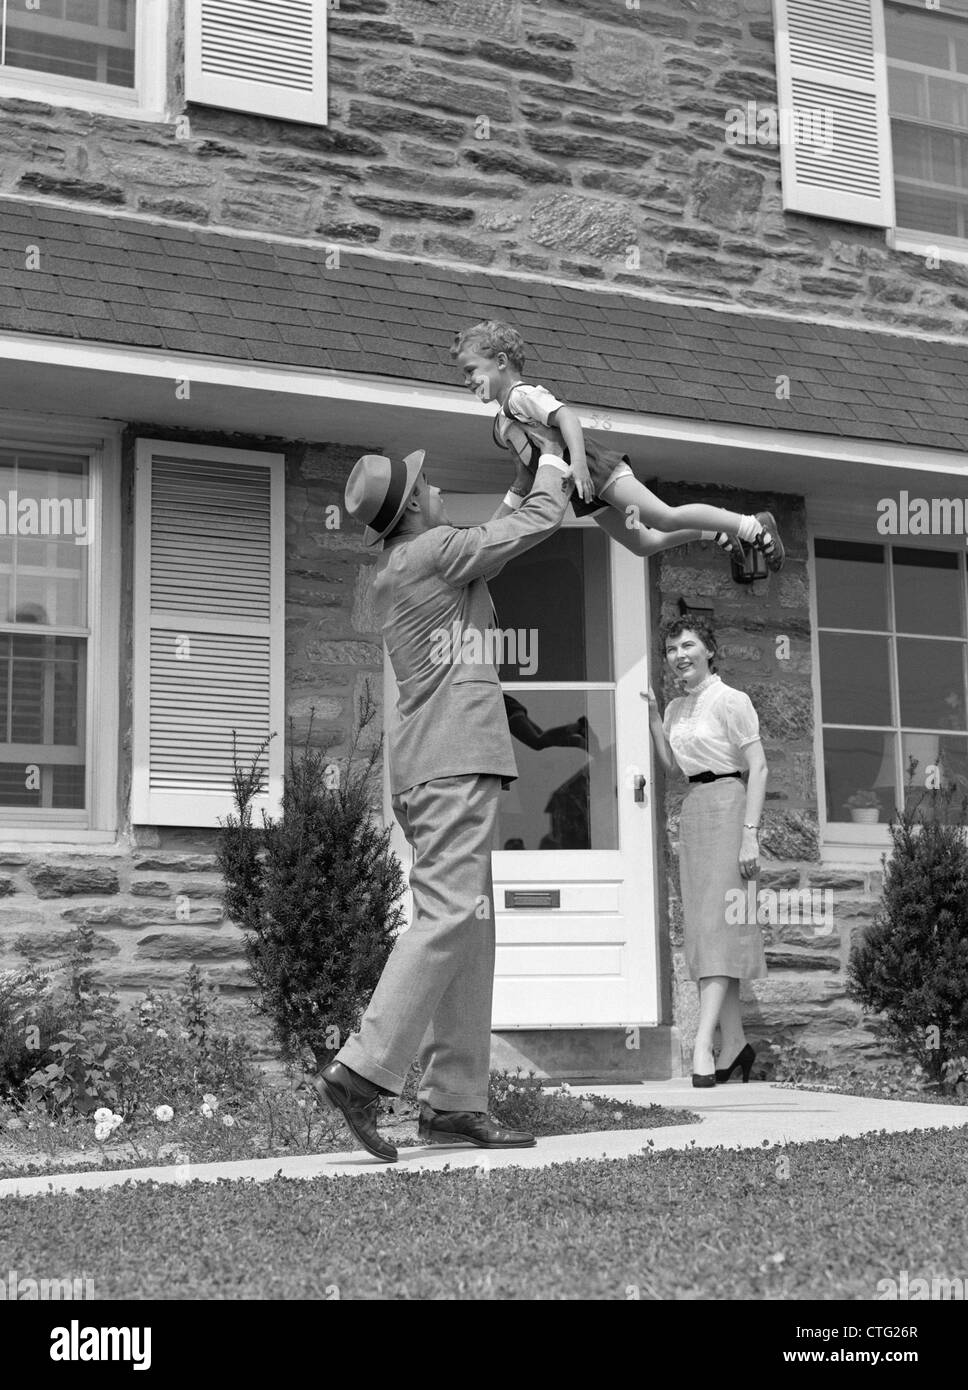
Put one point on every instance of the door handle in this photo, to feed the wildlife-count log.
(638, 787)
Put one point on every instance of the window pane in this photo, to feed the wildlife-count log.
(913, 36)
(566, 795)
(90, 40)
(928, 592)
(553, 608)
(45, 529)
(42, 733)
(941, 759)
(942, 215)
(850, 585)
(931, 683)
(855, 679)
(859, 760)
(907, 93)
(934, 156)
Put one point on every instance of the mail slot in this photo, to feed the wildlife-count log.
(532, 898)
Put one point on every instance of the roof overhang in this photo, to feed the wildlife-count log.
(51, 377)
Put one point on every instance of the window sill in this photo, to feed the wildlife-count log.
(923, 244)
(82, 101)
(53, 838)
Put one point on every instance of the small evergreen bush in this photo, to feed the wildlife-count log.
(318, 891)
(911, 965)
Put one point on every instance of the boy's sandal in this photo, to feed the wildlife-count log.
(768, 541)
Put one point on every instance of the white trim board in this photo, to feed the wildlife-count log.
(420, 396)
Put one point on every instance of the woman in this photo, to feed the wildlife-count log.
(712, 732)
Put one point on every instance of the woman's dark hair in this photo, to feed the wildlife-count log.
(700, 626)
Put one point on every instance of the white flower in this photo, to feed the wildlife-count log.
(228, 1121)
(164, 1113)
(207, 1111)
(161, 1033)
(101, 1131)
(14, 1123)
(146, 1006)
(565, 1089)
(211, 1100)
(588, 1106)
(102, 1116)
(184, 1033)
(616, 1114)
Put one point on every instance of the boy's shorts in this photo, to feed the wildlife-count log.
(581, 508)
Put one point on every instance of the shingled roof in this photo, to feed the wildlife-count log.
(107, 279)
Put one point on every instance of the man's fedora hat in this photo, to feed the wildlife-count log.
(378, 490)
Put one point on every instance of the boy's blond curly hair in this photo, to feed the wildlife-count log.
(490, 337)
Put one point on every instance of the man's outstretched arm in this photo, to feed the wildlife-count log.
(481, 551)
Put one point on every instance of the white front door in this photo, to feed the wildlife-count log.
(573, 856)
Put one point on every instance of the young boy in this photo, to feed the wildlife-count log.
(530, 419)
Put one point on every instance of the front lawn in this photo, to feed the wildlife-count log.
(821, 1220)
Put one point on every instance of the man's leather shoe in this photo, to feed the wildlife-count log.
(358, 1101)
(470, 1126)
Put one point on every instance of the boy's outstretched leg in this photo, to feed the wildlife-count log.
(635, 503)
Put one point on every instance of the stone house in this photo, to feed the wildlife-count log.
(234, 251)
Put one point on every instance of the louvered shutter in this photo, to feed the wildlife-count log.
(832, 76)
(263, 56)
(208, 629)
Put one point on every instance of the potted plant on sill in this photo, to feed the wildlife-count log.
(864, 806)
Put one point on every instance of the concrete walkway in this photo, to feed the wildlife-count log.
(733, 1116)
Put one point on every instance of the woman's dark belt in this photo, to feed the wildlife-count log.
(713, 776)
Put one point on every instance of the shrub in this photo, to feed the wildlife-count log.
(31, 1017)
(317, 890)
(911, 965)
(67, 1046)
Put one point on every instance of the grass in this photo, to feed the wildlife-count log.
(687, 1224)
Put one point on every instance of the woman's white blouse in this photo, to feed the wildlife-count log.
(707, 731)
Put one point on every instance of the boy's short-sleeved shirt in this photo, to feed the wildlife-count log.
(526, 425)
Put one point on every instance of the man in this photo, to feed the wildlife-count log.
(450, 754)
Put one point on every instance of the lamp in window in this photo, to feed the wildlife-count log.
(924, 748)
(694, 608)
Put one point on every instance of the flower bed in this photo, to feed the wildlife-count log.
(282, 1120)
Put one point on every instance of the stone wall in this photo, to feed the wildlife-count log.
(764, 637)
(570, 138)
(153, 898)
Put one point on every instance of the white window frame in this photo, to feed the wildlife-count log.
(843, 842)
(146, 101)
(916, 242)
(98, 823)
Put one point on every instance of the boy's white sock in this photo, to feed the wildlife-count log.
(722, 539)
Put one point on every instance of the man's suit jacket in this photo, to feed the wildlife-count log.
(429, 590)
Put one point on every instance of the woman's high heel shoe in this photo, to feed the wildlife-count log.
(745, 1060)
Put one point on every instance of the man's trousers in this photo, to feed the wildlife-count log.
(434, 997)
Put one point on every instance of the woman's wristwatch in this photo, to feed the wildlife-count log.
(747, 826)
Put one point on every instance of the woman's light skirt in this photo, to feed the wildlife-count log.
(720, 933)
